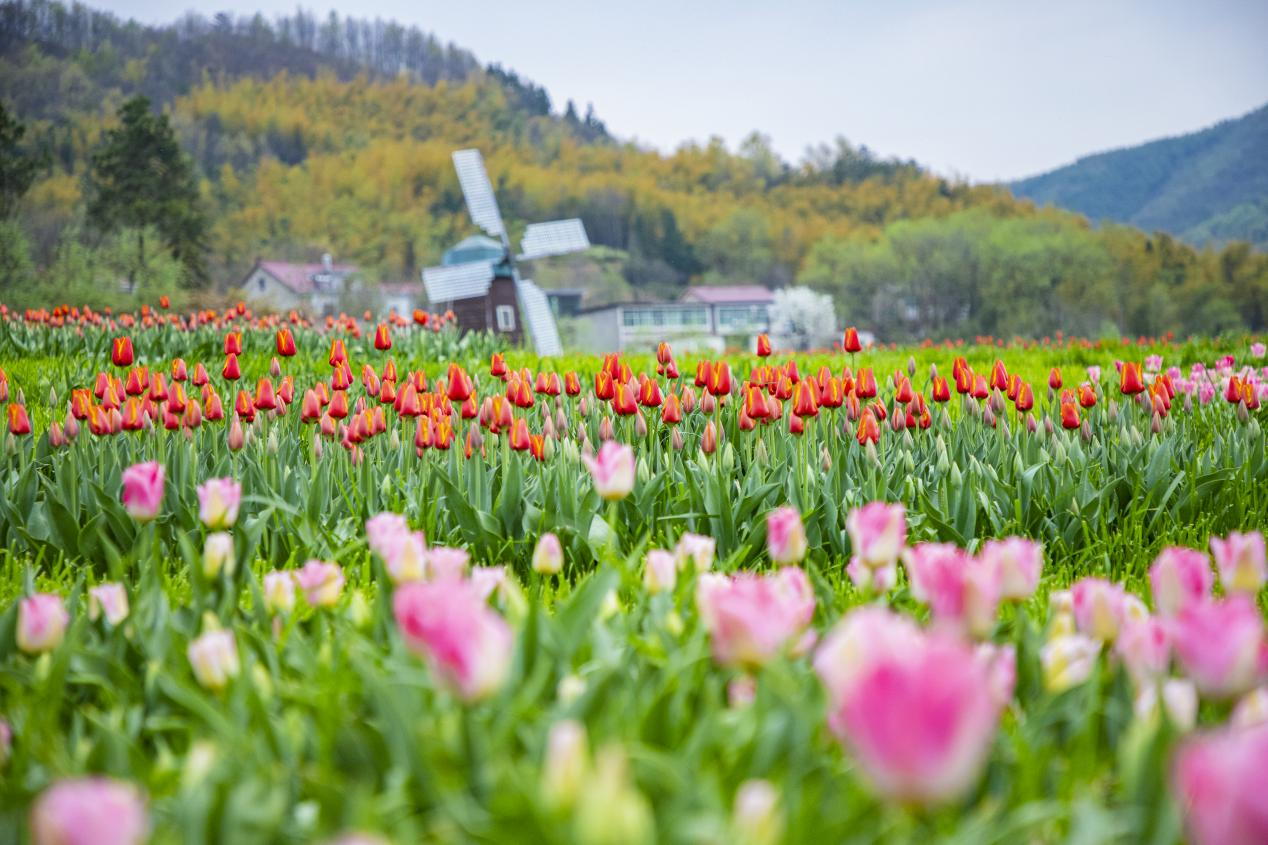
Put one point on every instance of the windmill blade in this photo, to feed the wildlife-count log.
(478, 191)
(461, 281)
(557, 237)
(538, 318)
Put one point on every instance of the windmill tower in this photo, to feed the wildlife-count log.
(478, 279)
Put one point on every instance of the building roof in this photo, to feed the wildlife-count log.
(661, 305)
(300, 277)
(715, 294)
(474, 248)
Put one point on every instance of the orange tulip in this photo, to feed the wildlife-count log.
(1069, 415)
(19, 421)
(121, 353)
(709, 439)
(869, 429)
(285, 342)
(1131, 381)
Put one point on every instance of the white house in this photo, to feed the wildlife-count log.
(705, 318)
(321, 289)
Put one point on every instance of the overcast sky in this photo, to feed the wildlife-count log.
(986, 89)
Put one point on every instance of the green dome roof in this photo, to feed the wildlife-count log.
(474, 248)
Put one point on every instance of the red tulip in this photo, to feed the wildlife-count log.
(285, 342)
(338, 352)
(233, 343)
(121, 354)
(851, 341)
(649, 395)
(671, 412)
(1069, 416)
(720, 379)
(709, 440)
(382, 338)
(869, 429)
(200, 375)
(763, 345)
(19, 422)
(231, 370)
(941, 390)
(795, 424)
(865, 385)
(1025, 398)
(1054, 379)
(1087, 396)
(805, 404)
(497, 366)
(1131, 381)
(623, 401)
(265, 399)
(572, 386)
(179, 371)
(310, 407)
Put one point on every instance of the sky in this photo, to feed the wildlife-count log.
(980, 89)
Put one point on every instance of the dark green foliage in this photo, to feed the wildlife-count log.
(18, 165)
(141, 177)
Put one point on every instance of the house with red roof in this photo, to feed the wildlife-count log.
(324, 289)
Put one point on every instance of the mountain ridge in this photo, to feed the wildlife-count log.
(1210, 185)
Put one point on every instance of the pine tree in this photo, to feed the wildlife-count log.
(141, 177)
(18, 166)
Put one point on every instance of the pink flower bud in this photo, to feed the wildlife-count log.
(42, 621)
(93, 810)
(143, 490)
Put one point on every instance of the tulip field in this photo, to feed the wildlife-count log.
(272, 580)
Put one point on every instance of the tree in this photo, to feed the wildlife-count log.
(18, 166)
(802, 318)
(141, 177)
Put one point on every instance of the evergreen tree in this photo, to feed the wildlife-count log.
(18, 166)
(141, 177)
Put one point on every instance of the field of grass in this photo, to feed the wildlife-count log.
(455, 676)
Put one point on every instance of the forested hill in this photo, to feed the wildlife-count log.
(312, 135)
(1210, 185)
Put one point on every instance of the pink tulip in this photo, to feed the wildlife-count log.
(321, 582)
(878, 532)
(404, 552)
(1178, 577)
(752, 618)
(466, 643)
(548, 555)
(110, 599)
(1099, 607)
(660, 571)
(1240, 560)
(446, 562)
(910, 706)
(381, 529)
(279, 591)
(1220, 644)
(143, 490)
(42, 621)
(785, 536)
(697, 550)
(89, 811)
(214, 659)
(1219, 780)
(488, 580)
(1018, 561)
(1145, 648)
(960, 590)
(869, 579)
(612, 470)
(218, 500)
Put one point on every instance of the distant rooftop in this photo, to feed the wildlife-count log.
(716, 294)
(474, 248)
(300, 277)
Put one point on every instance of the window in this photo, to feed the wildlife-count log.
(506, 318)
(261, 283)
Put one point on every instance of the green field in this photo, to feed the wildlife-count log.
(335, 720)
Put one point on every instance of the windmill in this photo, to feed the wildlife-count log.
(478, 279)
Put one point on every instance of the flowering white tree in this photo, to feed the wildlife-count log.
(801, 318)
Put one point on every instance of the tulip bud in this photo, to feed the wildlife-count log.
(275, 369)
(911, 366)
(825, 459)
(676, 440)
(548, 556)
(279, 591)
(237, 437)
(756, 818)
(566, 766)
(358, 613)
(214, 659)
(218, 554)
(42, 621)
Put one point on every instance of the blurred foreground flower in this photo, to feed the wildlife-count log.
(785, 536)
(42, 621)
(143, 490)
(110, 599)
(466, 643)
(89, 811)
(918, 710)
(752, 618)
(1219, 779)
(218, 500)
(214, 659)
(612, 470)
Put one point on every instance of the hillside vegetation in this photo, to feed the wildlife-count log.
(313, 136)
(1204, 186)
